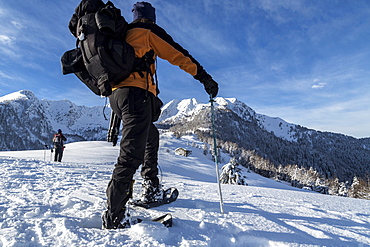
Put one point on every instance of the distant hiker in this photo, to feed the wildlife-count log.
(58, 142)
(134, 101)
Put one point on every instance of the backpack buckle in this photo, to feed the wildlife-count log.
(81, 36)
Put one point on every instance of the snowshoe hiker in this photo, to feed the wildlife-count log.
(58, 142)
(134, 100)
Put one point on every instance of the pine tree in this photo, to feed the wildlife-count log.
(343, 189)
(359, 189)
(231, 173)
(355, 189)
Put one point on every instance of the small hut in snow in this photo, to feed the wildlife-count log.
(183, 151)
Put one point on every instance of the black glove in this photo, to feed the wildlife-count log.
(104, 86)
(105, 89)
(211, 87)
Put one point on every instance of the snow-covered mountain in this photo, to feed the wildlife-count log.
(176, 111)
(29, 123)
(46, 203)
(282, 143)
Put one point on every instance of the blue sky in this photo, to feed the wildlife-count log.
(307, 62)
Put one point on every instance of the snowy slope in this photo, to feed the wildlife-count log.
(44, 203)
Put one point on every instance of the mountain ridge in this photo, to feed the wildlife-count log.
(28, 123)
(272, 141)
(178, 110)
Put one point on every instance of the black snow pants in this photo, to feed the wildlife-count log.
(139, 144)
(58, 153)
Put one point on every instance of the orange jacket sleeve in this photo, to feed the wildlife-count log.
(144, 37)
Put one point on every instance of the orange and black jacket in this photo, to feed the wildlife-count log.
(144, 37)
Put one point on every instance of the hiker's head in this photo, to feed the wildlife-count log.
(59, 131)
(144, 11)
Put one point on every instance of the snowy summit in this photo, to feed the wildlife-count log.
(23, 94)
(175, 111)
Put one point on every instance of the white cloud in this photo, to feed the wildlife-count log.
(4, 75)
(319, 85)
(6, 40)
(284, 11)
(200, 34)
(17, 24)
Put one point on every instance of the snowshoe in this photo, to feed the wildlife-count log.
(165, 219)
(152, 191)
(169, 195)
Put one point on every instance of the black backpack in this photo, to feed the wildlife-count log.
(102, 57)
(57, 140)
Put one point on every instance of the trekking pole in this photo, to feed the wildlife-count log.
(216, 154)
(46, 147)
(44, 152)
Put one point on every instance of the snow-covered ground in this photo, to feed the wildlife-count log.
(44, 203)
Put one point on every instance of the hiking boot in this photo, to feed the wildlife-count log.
(151, 192)
(113, 222)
